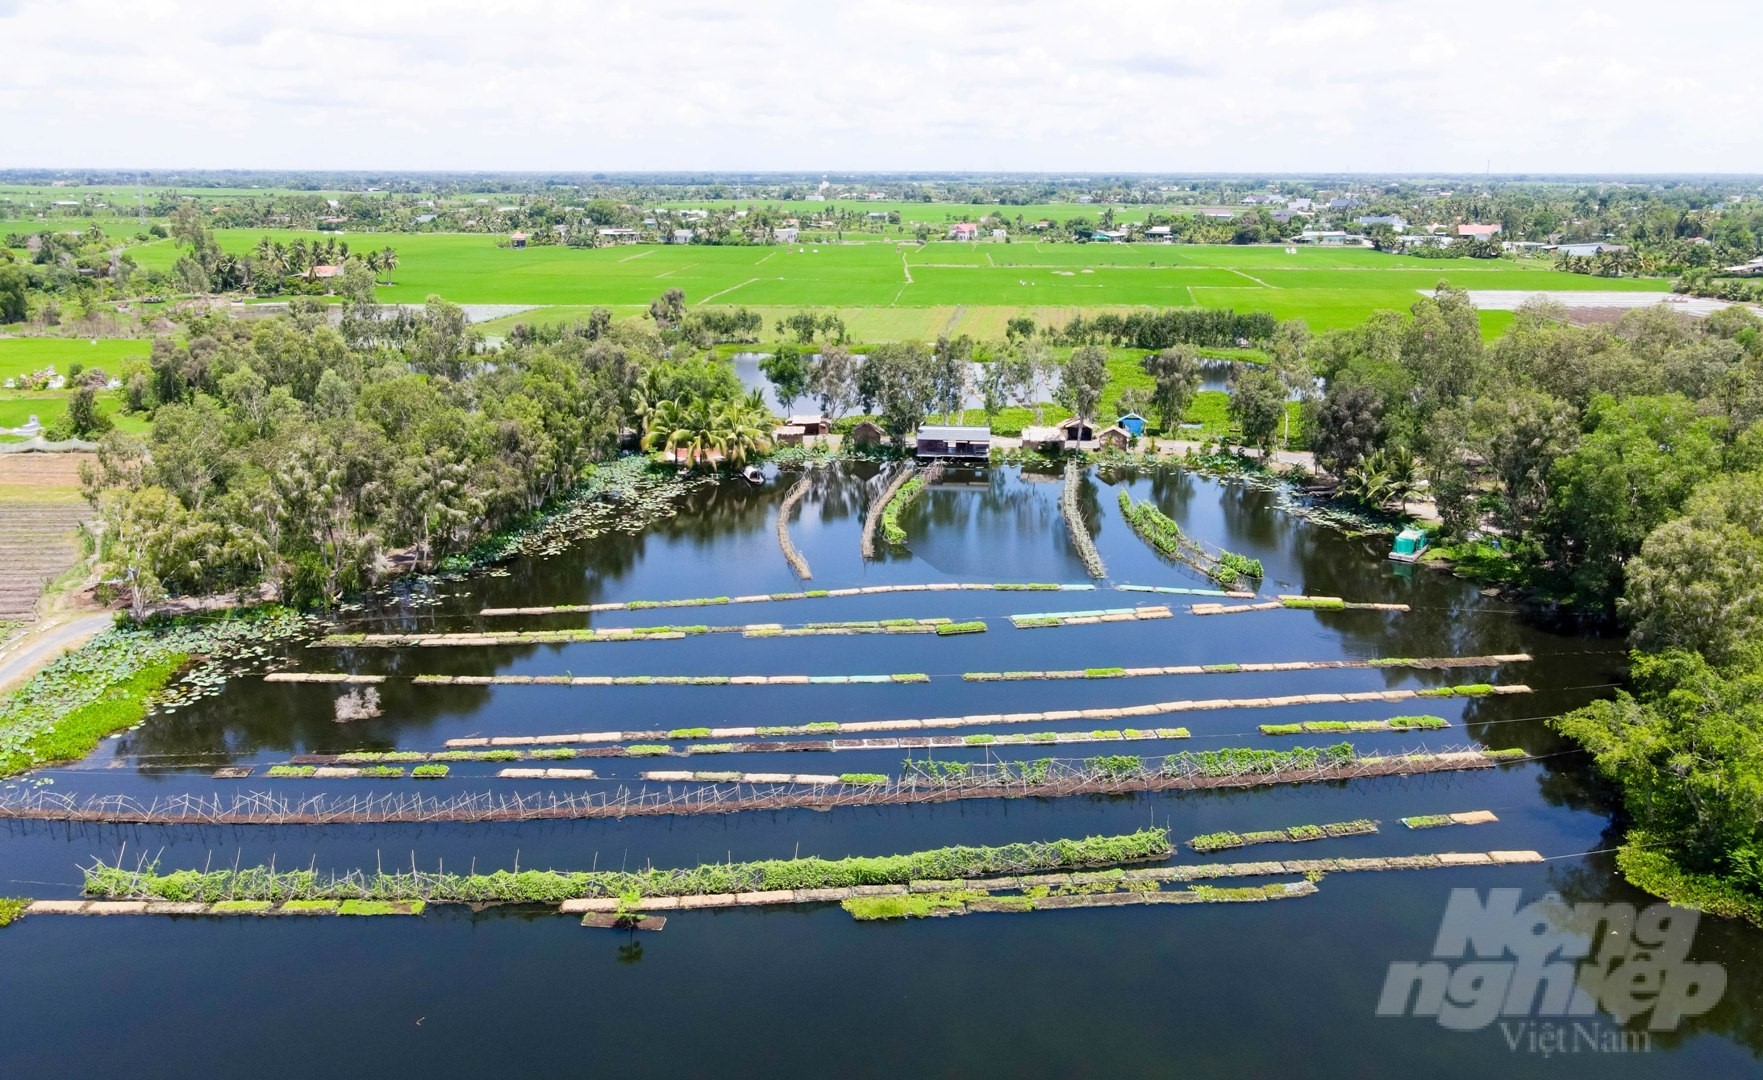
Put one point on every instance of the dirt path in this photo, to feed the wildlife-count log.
(43, 643)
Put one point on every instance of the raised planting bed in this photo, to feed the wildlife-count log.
(1222, 841)
(1331, 727)
(1072, 510)
(949, 629)
(1434, 821)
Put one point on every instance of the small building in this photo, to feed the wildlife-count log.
(868, 433)
(1075, 430)
(1479, 232)
(1000, 234)
(963, 230)
(959, 443)
(681, 236)
(1132, 423)
(1158, 232)
(811, 424)
(1410, 545)
(787, 435)
(517, 240)
(322, 272)
(619, 236)
(1586, 251)
(1113, 438)
(786, 235)
(1043, 438)
(1108, 236)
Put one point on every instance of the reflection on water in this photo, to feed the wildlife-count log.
(1222, 990)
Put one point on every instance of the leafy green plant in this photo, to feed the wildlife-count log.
(821, 727)
(1103, 672)
(12, 908)
(384, 772)
(429, 772)
(647, 750)
(979, 740)
(909, 906)
(973, 627)
(862, 778)
(291, 771)
(689, 733)
(380, 907)
(1427, 821)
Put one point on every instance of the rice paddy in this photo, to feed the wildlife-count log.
(889, 291)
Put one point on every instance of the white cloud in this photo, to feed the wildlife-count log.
(1142, 85)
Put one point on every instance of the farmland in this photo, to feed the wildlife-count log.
(1329, 288)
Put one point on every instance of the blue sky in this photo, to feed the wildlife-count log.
(1296, 86)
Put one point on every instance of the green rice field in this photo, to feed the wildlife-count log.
(1328, 288)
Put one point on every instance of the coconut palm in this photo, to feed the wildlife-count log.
(703, 431)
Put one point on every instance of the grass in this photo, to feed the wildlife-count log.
(1103, 672)
(380, 907)
(1314, 603)
(910, 906)
(240, 907)
(123, 705)
(314, 907)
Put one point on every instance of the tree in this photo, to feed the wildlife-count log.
(1633, 471)
(668, 310)
(1694, 584)
(787, 370)
(704, 430)
(833, 381)
(1257, 405)
(1081, 382)
(951, 361)
(83, 416)
(14, 304)
(1135, 399)
(1175, 374)
(895, 383)
(1346, 426)
(1687, 749)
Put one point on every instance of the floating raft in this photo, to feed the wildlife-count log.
(1418, 663)
(988, 719)
(1295, 603)
(1181, 874)
(759, 746)
(1171, 590)
(1090, 618)
(1185, 873)
(226, 907)
(1433, 821)
(764, 598)
(264, 808)
(474, 639)
(668, 680)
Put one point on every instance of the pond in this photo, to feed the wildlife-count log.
(1213, 989)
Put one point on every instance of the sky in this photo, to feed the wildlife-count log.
(956, 85)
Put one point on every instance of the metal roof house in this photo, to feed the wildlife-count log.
(958, 443)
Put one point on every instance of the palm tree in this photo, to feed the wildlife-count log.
(388, 259)
(703, 431)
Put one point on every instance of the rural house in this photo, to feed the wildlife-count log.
(959, 443)
(1479, 232)
(963, 230)
(868, 433)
